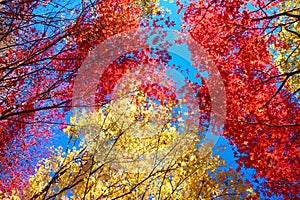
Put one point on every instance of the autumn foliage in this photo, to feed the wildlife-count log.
(262, 119)
(255, 46)
(40, 56)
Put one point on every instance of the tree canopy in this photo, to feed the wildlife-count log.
(144, 136)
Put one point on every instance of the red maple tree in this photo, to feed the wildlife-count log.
(262, 120)
(40, 57)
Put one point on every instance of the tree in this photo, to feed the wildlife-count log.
(101, 168)
(286, 47)
(30, 85)
(262, 120)
(39, 66)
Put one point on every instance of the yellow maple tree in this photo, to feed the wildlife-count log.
(288, 50)
(130, 151)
